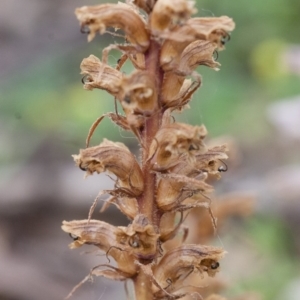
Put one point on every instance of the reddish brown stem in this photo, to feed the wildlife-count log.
(143, 287)
(147, 203)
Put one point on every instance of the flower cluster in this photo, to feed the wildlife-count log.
(165, 46)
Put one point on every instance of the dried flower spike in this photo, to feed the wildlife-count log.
(165, 46)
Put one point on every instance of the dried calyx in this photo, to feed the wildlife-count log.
(165, 46)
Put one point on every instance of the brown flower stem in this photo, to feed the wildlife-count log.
(142, 286)
(147, 203)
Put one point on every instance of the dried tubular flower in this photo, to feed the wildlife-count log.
(210, 29)
(136, 241)
(100, 76)
(119, 16)
(103, 236)
(92, 232)
(138, 97)
(140, 238)
(114, 158)
(179, 263)
(174, 189)
(214, 30)
(168, 12)
(195, 54)
(175, 141)
(210, 161)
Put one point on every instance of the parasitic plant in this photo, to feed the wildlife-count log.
(165, 45)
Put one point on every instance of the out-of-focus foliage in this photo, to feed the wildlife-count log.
(272, 244)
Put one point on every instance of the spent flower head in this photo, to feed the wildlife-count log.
(165, 45)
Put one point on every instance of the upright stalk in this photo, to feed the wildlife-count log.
(146, 202)
(143, 287)
(165, 48)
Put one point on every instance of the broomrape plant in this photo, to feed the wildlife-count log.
(165, 45)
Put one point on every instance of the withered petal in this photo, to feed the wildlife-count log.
(103, 236)
(91, 232)
(195, 54)
(113, 157)
(119, 16)
(100, 75)
(213, 30)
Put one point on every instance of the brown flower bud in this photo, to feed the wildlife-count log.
(100, 76)
(118, 16)
(175, 141)
(114, 158)
(168, 12)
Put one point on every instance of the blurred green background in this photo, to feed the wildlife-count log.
(45, 115)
